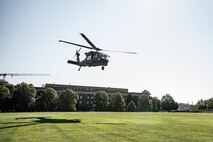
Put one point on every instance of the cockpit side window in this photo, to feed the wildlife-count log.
(89, 57)
(96, 56)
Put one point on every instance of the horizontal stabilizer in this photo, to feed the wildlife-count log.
(73, 62)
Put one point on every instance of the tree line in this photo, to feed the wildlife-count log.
(205, 104)
(144, 103)
(25, 98)
(201, 105)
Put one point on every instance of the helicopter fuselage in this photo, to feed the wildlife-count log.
(93, 59)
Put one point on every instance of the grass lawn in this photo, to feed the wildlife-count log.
(106, 126)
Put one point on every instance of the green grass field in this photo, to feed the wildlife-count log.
(105, 126)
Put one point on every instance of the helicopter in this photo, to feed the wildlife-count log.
(93, 58)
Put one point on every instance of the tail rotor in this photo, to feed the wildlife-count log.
(77, 54)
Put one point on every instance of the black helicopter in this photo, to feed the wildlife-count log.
(93, 58)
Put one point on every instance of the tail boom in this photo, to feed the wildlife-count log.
(73, 62)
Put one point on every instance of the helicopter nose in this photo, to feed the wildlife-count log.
(105, 61)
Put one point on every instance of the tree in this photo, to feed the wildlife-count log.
(11, 87)
(4, 93)
(8, 104)
(47, 100)
(146, 92)
(100, 101)
(168, 103)
(24, 97)
(129, 99)
(201, 104)
(205, 104)
(68, 100)
(144, 103)
(131, 107)
(155, 104)
(209, 103)
(117, 102)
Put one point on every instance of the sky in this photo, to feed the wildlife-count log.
(173, 40)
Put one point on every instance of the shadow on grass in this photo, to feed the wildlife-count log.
(50, 120)
(39, 120)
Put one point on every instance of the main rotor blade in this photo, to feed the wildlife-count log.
(119, 51)
(76, 44)
(90, 43)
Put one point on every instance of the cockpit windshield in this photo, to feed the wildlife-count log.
(105, 56)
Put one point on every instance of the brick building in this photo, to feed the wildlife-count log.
(86, 93)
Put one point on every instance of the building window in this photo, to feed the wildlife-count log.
(80, 97)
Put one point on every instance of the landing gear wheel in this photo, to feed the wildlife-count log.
(102, 67)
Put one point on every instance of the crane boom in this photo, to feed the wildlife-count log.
(21, 74)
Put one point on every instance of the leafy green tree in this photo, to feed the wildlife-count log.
(205, 104)
(38, 100)
(11, 87)
(68, 100)
(24, 97)
(155, 104)
(100, 101)
(144, 103)
(47, 100)
(117, 102)
(201, 104)
(128, 99)
(131, 107)
(168, 103)
(4, 93)
(146, 92)
(8, 104)
(209, 103)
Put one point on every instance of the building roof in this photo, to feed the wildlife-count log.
(135, 93)
(3, 82)
(87, 88)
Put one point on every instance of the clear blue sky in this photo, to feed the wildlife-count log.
(173, 39)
